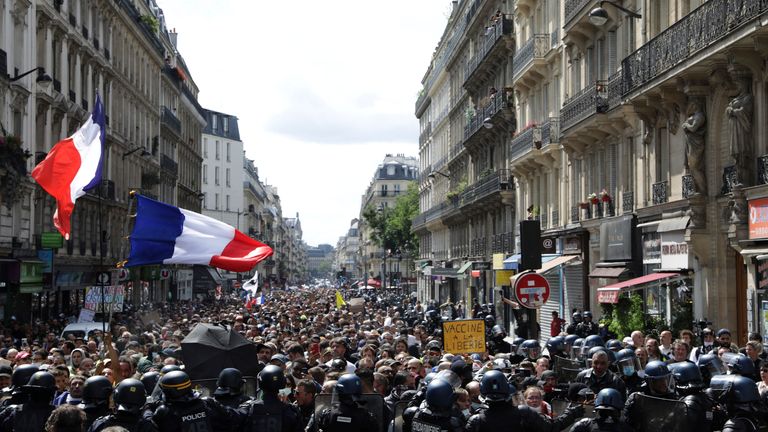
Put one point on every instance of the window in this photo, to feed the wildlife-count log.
(397, 189)
(217, 201)
(205, 174)
(226, 174)
(218, 150)
(214, 124)
(205, 147)
(383, 190)
(390, 170)
(227, 199)
(225, 123)
(228, 145)
(216, 180)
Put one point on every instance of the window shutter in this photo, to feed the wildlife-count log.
(612, 53)
(612, 168)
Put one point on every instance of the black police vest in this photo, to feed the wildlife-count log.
(265, 417)
(345, 418)
(132, 423)
(31, 418)
(428, 422)
(188, 417)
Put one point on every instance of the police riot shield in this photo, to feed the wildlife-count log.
(397, 424)
(567, 369)
(659, 415)
(372, 402)
(559, 406)
(206, 387)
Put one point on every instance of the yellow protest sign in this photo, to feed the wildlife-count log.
(464, 336)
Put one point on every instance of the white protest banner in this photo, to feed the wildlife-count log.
(113, 295)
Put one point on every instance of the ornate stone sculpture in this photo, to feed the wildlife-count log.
(739, 113)
(695, 129)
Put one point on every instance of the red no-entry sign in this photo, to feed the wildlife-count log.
(531, 290)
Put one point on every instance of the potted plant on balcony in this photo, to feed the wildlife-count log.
(13, 168)
(584, 205)
(592, 198)
(604, 196)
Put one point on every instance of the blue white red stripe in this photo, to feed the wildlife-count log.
(164, 234)
(73, 166)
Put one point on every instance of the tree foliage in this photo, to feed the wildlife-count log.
(391, 226)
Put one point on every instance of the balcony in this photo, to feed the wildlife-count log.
(84, 104)
(489, 48)
(84, 30)
(106, 188)
(96, 44)
(478, 247)
(169, 120)
(709, 23)
(503, 243)
(659, 193)
(573, 9)
(495, 188)
(529, 64)
(627, 202)
(550, 132)
(492, 110)
(523, 143)
(167, 163)
(584, 104)
(424, 135)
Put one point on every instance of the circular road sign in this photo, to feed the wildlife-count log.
(531, 290)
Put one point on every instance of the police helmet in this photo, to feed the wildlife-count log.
(149, 380)
(271, 379)
(577, 349)
(498, 332)
(440, 395)
(711, 365)
(627, 362)
(576, 317)
(555, 345)
(531, 348)
(434, 346)
(339, 365)
(502, 364)
(129, 396)
(739, 364)
(230, 382)
(176, 386)
(41, 382)
(594, 350)
(494, 387)
(590, 342)
(687, 376)
(349, 385)
(431, 314)
(658, 377)
(570, 339)
(22, 374)
(614, 345)
(587, 314)
(429, 377)
(96, 391)
(609, 399)
(516, 344)
(169, 368)
(734, 389)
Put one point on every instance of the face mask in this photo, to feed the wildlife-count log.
(628, 370)
(465, 412)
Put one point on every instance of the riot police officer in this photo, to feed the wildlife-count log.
(530, 349)
(710, 365)
(575, 321)
(129, 397)
(690, 386)
(497, 344)
(96, 393)
(32, 414)
(659, 383)
(229, 388)
(270, 414)
(501, 414)
(741, 399)
(184, 410)
(515, 350)
(586, 327)
(590, 342)
(348, 415)
(20, 377)
(628, 365)
(608, 405)
(149, 380)
(436, 412)
(555, 347)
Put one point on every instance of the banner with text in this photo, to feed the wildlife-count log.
(113, 295)
(464, 336)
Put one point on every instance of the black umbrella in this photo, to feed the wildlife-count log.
(209, 348)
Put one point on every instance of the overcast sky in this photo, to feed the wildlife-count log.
(323, 90)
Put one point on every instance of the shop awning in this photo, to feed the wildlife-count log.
(673, 224)
(610, 293)
(512, 262)
(608, 272)
(754, 251)
(555, 262)
(464, 267)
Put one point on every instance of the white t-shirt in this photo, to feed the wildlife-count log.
(351, 368)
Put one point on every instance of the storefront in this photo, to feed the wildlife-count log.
(618, 258)
(755, 254)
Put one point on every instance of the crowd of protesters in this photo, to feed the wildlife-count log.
(390, 349)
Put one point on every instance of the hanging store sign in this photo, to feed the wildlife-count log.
(674, 250)
(758, 218)
(616, 239)
(761, 273)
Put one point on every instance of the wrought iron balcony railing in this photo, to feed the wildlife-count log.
(492, 183)
(762, 169)
(550, 131)
(575, 210)
(169, 119)
(534, 48)
(496, 104)
(494, 33)
(572, 9)
(522, 143)
(659, 192)
(167, 163)
(705, 25)
(627, 202)
(587, 102)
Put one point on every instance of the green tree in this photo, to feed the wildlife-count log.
(391, 226)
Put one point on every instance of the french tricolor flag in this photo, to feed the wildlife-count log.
(164, 234)
(73, 166)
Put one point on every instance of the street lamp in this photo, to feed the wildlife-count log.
(144, 152)
(240, 213)
(599, 16)
(43, 79)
